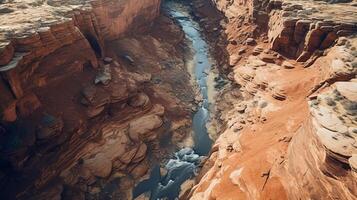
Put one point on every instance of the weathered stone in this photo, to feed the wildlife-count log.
(99, 165)
(50, 127)
(143, 125)
(28, 104)
(139, 100)
(267, 58)
(250, 41)
(287, 65)
(257, 50)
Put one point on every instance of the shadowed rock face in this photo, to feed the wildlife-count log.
(78, 120)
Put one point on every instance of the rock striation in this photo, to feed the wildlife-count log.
(77, 117)
(288, 116)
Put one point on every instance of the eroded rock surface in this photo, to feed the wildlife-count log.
(289, 113)
(83, 99)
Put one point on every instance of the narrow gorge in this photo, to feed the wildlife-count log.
(178, 99)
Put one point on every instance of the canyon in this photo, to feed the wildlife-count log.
(201, 99)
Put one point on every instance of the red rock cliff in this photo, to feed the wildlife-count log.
(57, 93)
(289, 119)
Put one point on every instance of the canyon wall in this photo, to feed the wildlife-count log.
(289, 116)
(71, 116)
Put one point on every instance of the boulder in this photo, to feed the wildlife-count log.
(250, 41)
(267, 58)
(287, 65)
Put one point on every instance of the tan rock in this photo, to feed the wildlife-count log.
(140, 170)
(99, 165)
(287, 65)
(144, 125)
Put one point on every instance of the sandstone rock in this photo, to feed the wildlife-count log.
(50, 127)
(126, 183)
(250, 41)
(278, 94)
(128, 156)
(139, 100)
(257, 50)
(287, 65)
(233, 42)
(241, 108)
(28, 104)
(347, 89)
(94, 111)
(241, 51)
(329, 40)
(140, 170)
(139, 127)
(159, 110)
(118, 92)
(140, 153)
(96, 97)
(89, 94)
(99, 165)
(353, 162)
(234, 59)
(267, 58)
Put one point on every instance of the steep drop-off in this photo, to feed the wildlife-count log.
(90, 92)
(289, 115)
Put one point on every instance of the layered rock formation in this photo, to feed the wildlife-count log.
(88, 89)
(289, 113)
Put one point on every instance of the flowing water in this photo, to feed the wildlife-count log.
(183, 165)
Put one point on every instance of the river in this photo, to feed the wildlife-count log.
(183, 164)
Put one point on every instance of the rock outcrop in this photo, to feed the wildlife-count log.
(80, 103)
(287, 121)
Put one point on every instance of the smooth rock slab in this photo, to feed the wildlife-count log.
(99, 166)
(142, 125)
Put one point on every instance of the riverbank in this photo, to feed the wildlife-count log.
(186, 162)
(93, 129)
